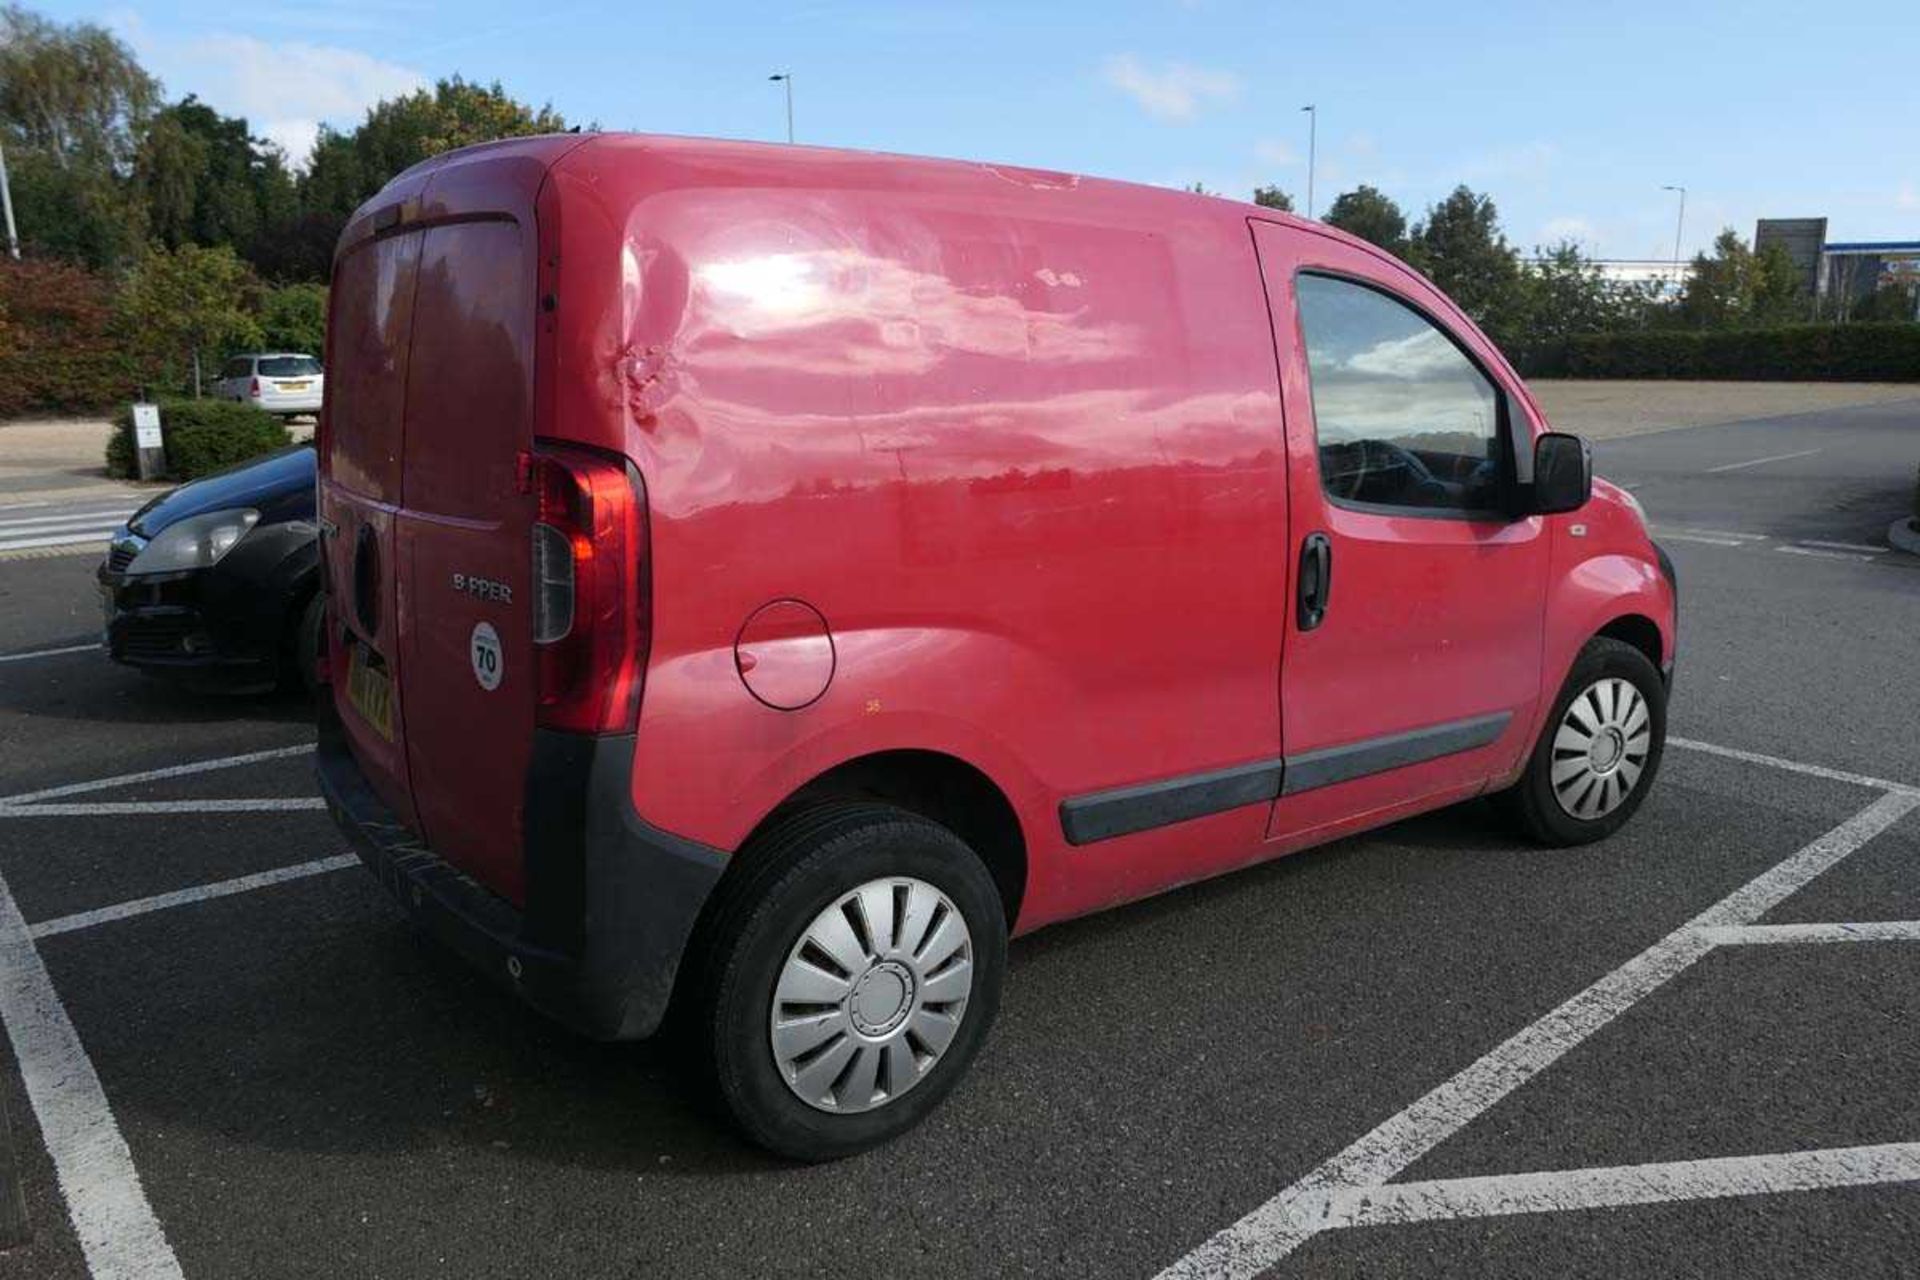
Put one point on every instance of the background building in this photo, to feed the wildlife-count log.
(1844, 275)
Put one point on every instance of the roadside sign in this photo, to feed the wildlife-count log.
(147, 440)
(146, 425)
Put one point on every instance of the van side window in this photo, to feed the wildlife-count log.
(1402, 416)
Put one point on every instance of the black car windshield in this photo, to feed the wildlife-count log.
(288, 366)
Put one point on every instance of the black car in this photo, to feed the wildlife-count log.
(217, 582)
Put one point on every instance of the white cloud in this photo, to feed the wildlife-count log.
(1177, 92)
(1271, 151)
(286, 89)
(1568, 227)
(1909, 197)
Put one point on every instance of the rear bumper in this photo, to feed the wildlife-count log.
(610, 901)
(291, 402)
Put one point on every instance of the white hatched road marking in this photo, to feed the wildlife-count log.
(54, 526)
(1275, 1229)
(1758, 462)
(39, 524)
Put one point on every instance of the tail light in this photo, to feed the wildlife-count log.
(592, 602)
(253, 388)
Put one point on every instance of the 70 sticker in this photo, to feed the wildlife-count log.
(484, 649)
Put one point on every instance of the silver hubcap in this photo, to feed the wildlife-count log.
(1600, 748)
(871, 995)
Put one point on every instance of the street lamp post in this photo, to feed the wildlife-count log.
(1313, 128)
(786, 78)
(1679, 225)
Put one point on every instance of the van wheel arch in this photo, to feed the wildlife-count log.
(934, 785)
(1638, 630)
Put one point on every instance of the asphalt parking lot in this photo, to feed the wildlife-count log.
(1433, 1050)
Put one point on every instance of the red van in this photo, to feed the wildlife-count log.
(763, 579)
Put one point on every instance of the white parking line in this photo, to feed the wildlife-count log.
(273, 804)
(1843, 546)
(1777, 934)
(48, 653)
(1818, 554)
(1792, 766)
(1712, 540)
(118, 1233)
(1609, 1188)
(1689, 531)
(1757, 462)
(155, 775)
(1275, 1229)
(186, 897)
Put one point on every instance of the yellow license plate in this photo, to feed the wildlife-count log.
(293, 386)
(370, 690)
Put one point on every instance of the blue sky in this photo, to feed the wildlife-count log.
(1572, 116)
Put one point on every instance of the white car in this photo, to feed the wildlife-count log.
(284, 382)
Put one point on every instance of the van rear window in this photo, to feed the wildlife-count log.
(289, 367)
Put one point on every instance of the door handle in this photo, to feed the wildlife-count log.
(1315, 580)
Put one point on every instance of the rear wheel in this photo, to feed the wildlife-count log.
(847, 978)
(1599, 751)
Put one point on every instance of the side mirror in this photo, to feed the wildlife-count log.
(1562, 474)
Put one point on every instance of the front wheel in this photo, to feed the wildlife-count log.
(1599, 750)
(848, 978)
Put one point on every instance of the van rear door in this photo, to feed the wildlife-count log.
(369, 335)
(431, 408)
(465, 554)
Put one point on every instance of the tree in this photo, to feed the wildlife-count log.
(73, 104)
(1372, 215)
(1273, 198)
(1564, 294)
(1461, 247)
(73, 93)
(293, 317)
(348, 168)
(182, 309)
(1734, 286)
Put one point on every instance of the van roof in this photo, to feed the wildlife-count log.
(855, 168)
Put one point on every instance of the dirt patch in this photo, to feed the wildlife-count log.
(1604, 409)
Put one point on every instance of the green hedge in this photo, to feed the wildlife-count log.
(1800, 353)
(201, 437)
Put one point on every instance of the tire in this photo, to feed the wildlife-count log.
(1586, 806)
(301, 657)
(756, 938)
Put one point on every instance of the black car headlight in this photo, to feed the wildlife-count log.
(196, 542)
